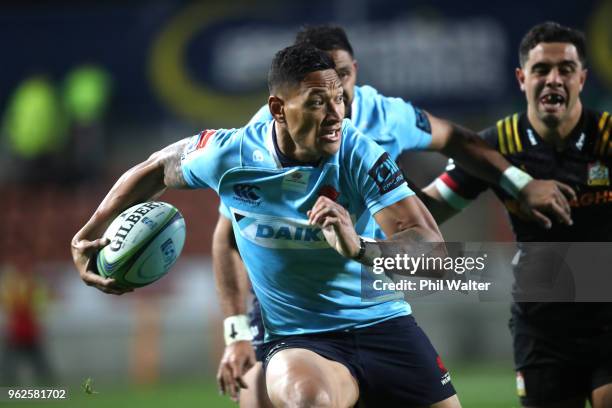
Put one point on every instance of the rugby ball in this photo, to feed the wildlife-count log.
(145, 241)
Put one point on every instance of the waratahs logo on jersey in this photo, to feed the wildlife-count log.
(386, 174)
(278, 232)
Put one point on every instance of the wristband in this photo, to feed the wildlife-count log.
(513, 180)
(362, 250)
(236, 328)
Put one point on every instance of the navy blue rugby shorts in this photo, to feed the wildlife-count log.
(393, 362)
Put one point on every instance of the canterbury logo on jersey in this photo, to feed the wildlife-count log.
(508, 136)
(247, 193)
(278, 232)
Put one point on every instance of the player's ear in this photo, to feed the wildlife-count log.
(355, 65)
(277, 108)
(583, 77)
(520, 77)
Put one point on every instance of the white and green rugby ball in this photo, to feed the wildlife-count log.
(145, 241)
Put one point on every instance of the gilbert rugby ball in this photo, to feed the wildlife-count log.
(145, 241)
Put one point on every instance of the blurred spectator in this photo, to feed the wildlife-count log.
(23, 297)
(86, 94)
(35, 130)
(56, 135)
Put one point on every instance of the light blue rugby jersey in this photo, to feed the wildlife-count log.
(394, 124)
(303, 285)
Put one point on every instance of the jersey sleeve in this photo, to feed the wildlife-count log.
(262, 115)
(456, 186)
(209, 155)
(408, 124)
(375, 175)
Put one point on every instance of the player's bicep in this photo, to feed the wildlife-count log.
(441, 131)
(409, 213)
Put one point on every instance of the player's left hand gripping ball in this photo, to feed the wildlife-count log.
(145, 241)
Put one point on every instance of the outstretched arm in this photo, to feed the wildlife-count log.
(140, 183)
(538, 198)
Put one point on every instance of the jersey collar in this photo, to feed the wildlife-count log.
(280, 159)
(576, 140)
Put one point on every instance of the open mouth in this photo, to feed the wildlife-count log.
(330, 135)
(553, 100)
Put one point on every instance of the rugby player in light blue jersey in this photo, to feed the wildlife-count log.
(326, 345)
(394, 124)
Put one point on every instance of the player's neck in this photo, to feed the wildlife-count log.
(556, 135)
(289, 148)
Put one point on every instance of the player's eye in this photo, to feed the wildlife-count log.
(540, 70)
(316, 102)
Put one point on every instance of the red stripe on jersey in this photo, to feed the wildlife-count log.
(204, 137)
(450, 183)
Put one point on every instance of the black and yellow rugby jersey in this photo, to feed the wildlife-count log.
(584, 165)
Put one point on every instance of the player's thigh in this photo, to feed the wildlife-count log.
(255, 395)
(450, 402)
(301, 375)
(601, 397)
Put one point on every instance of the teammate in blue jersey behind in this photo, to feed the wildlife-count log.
(326, 346)
(395, 125)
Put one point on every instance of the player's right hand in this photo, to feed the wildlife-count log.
(237, 359)
(540, 198)
(84, 258)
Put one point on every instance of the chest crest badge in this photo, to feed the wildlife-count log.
(598, 174)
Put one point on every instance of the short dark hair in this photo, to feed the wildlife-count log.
(325, 37)
(552, 32)
(290, 65)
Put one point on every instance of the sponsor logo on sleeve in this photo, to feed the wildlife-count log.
(199, 141)
(386, 174)
(422, 122)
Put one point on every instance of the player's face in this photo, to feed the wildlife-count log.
(313, 114)
(346, 67)
(552, 80)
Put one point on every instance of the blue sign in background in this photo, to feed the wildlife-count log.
(206, 62)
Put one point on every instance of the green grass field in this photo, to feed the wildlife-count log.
(479, 386)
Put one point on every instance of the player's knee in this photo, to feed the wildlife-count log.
(300, 392)
(308, 392)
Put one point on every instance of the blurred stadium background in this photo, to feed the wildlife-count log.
(88, 90)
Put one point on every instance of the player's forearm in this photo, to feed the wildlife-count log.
(474, 154)
(230, 276)
(139, 184)
(437, 206)
(414, 242)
